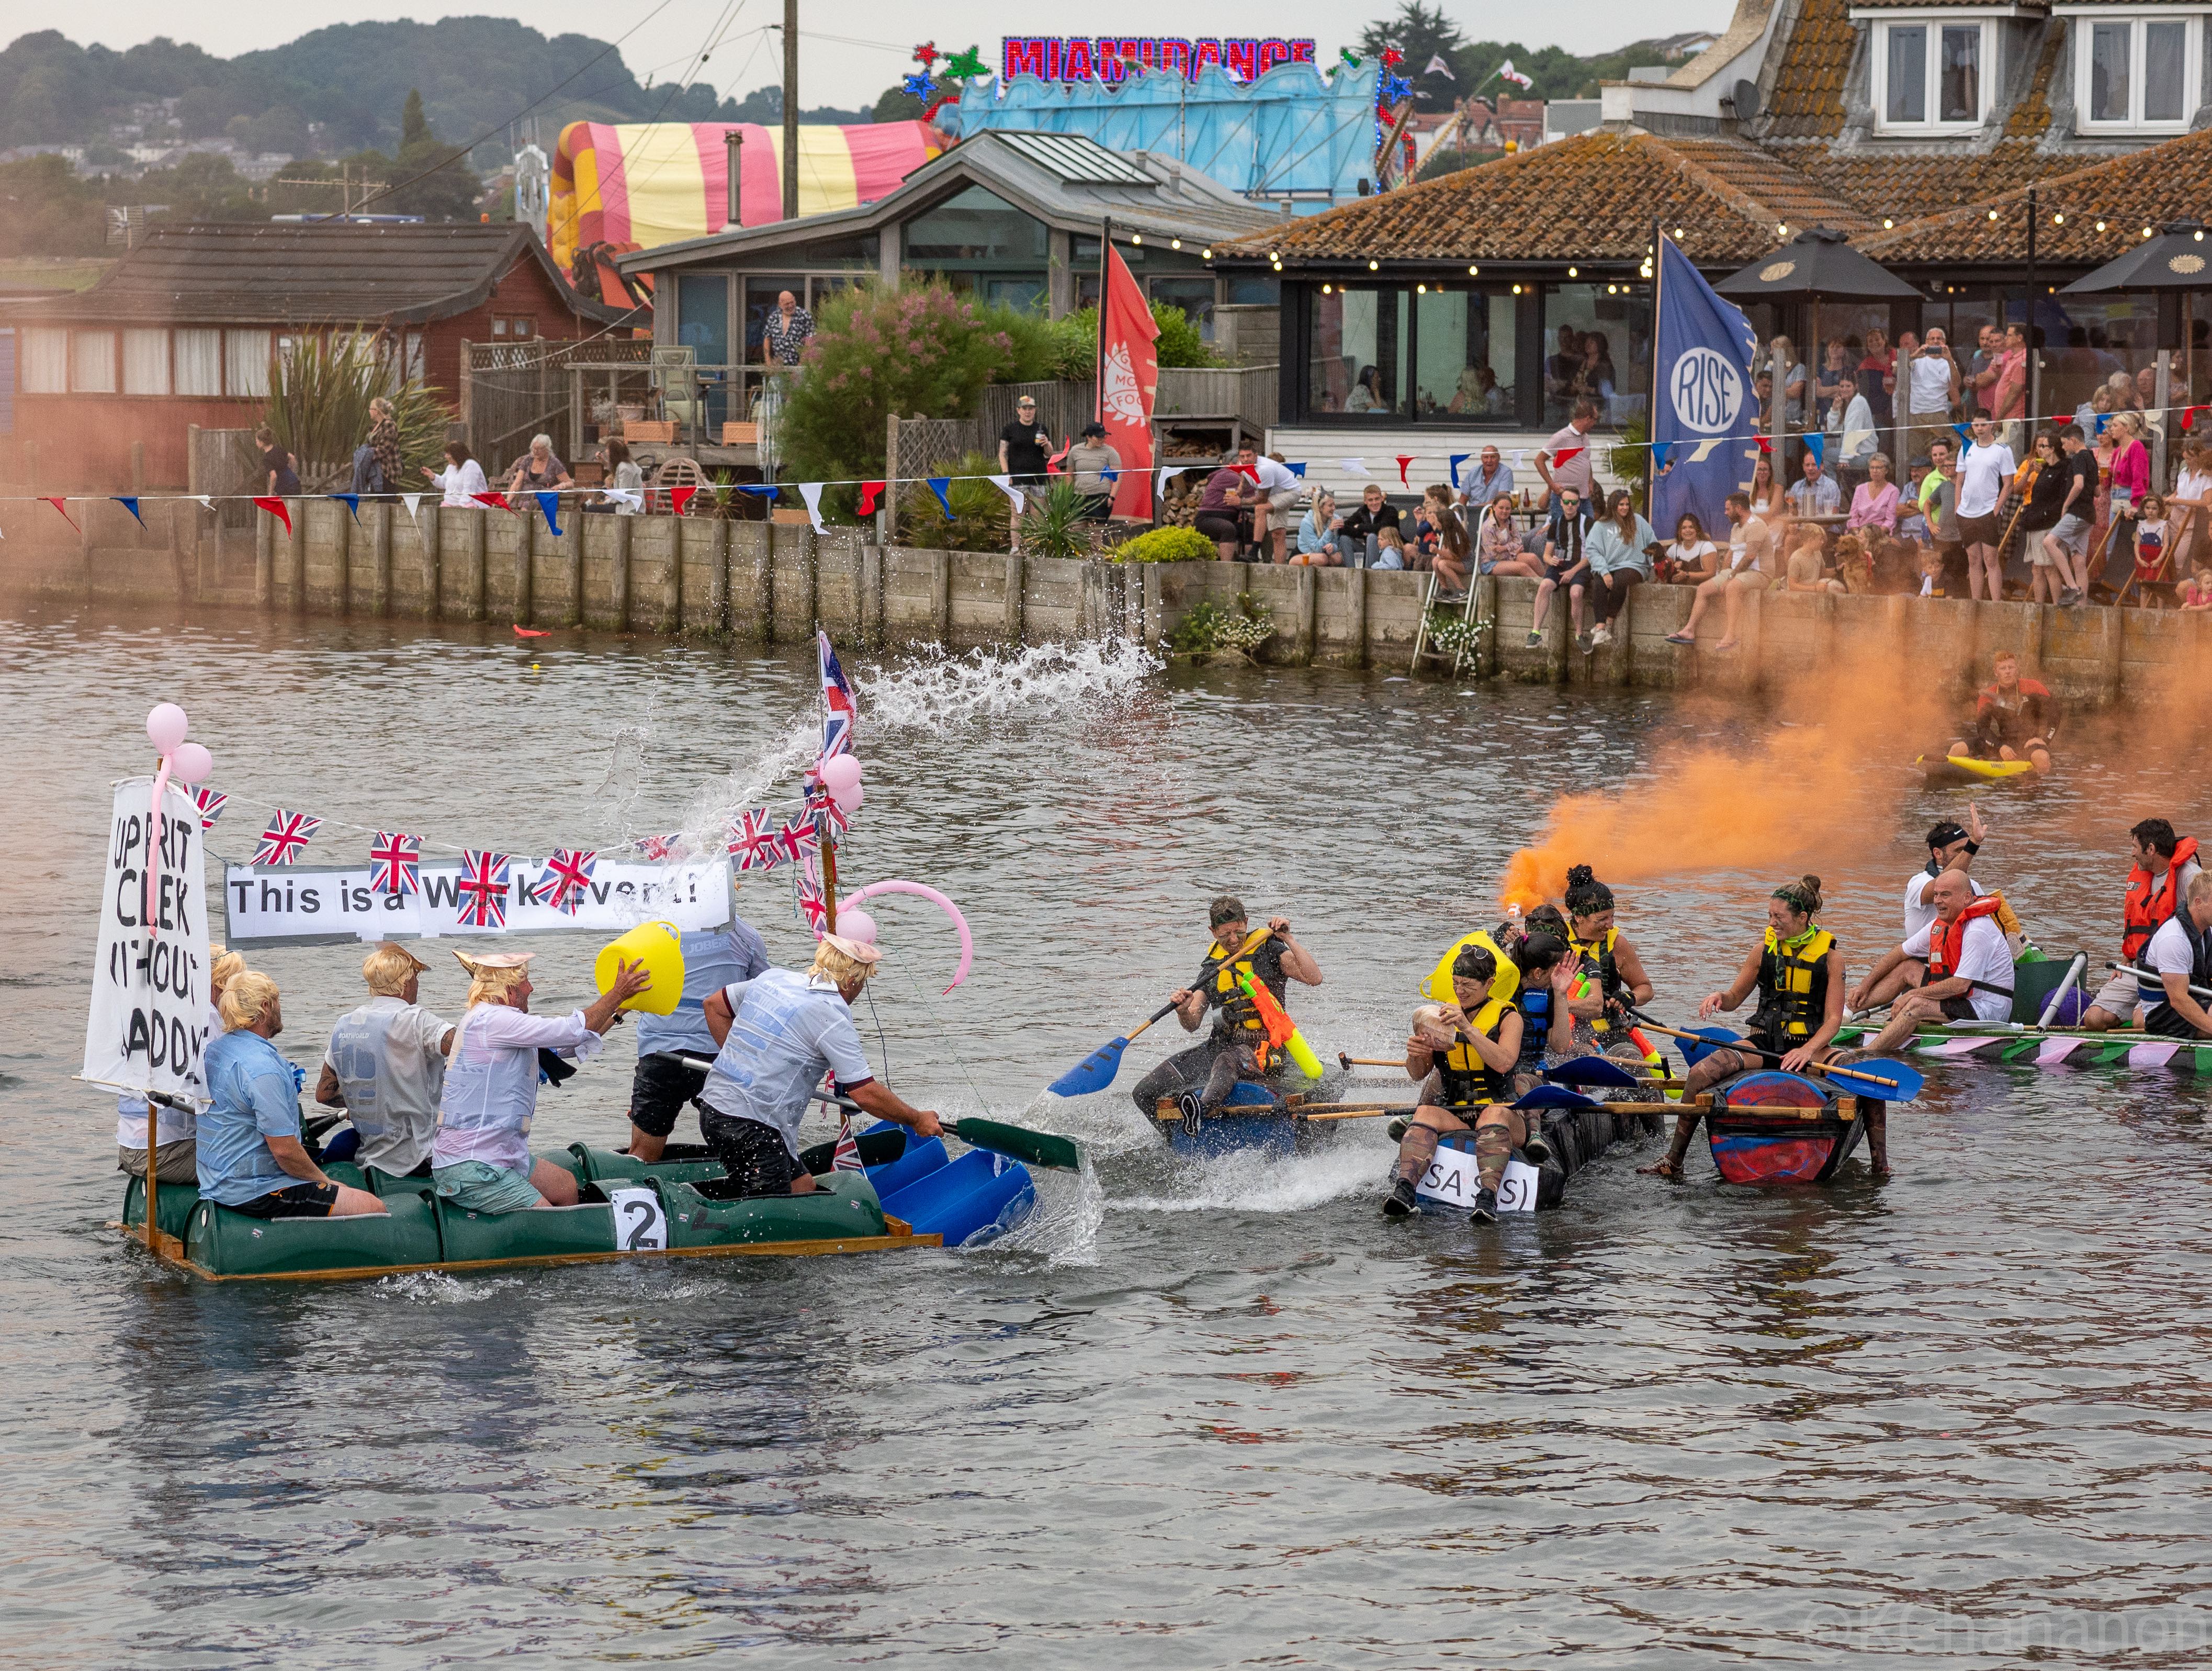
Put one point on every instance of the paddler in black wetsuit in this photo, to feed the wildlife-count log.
(1798, 973)
(1474, 1057)
(1614, 974)
(1201, 1077)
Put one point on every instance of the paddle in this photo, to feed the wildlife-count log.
(2154, 977)
(1037, 1148)
(1350, 1062)
(1096, 1071)
(1904, 1084)
(1556, 1096)
(1594, 1070)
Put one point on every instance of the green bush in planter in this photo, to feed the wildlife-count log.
(1167, 546)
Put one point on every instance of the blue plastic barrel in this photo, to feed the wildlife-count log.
(974, 1200)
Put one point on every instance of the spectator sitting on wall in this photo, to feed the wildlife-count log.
(279, 473)
(1280, 488)
(1320, 546)
(537, 471)
(1574, 470)
(787, 330)
(1371, 535)
(625, 490)
(1221, 505)
(1692, 559)
(1808, 567)
(1816, 494)
(1485, 482)
(1750, 558)
(463, 478)
(376, 467)
(1498, 548)
(1084, 461)
(1443, 543)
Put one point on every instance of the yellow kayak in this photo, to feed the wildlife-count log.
(1942, 770)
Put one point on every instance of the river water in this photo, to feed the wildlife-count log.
(1196, 1415)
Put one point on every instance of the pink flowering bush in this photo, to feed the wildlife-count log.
(921, 351)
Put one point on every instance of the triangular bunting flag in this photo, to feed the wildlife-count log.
(61, 505)
(547, 503)
(868, 491)
(413, 501)
(1817, 445)
(1352, 466)
(275, 508)
(1566, 452)
(811, 492)
(1161, 491)
(1705, 449)
(211, 802)
(680, 497)
(1298, 469)
(350, 501)
(941, 486)
(1457, 459)
(1404, 461)
(1006, 485)
(497, 502)
(130, 502)
(206, 501)
(1765, 445)
(1659, 451)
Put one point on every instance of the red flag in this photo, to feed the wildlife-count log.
(2189, 417)
(61, 505)
(1764, 446)
(868, 491)
(680, 497)
(496, 501)
(1404, 458)
(1129, 376)
(1251, 470)
(275, 508)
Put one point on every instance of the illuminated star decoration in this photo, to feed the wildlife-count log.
(1392, 57)
(963, 65)
(1394, 88)
(921, 86)
(927, 54)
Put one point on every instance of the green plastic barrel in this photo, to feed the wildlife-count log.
(172, 1205)
(605, 1166)
(532, 1233)
(236, 1244)
(845, 1207)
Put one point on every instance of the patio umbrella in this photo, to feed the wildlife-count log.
(2177, 258)
(1818, 264)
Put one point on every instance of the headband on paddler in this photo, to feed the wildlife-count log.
(1945, 833)
(1225, 908)
(1801, 896)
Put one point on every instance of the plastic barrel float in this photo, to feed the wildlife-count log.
(1769, 1147)
(1578, 1129)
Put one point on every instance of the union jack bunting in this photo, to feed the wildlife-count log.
(567, 873)
(209, 801)
(812, 906)
(484, 889)
(848, 1154)
(753, 844)
(819, 800)
(286, 838)
(395, 863)
(838, 711)
(661, 846)
(796, 840)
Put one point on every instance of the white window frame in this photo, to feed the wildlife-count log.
(2079, 21)
(1933, 22)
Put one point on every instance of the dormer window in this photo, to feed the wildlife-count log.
(2134, 74)
(1934, 72)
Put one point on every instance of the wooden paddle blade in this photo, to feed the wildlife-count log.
(1592, 1071)
(1036, 1147)
(1094, 1072)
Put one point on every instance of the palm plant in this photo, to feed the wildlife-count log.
(1053, 523)
(320, 388)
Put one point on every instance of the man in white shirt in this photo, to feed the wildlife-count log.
(1930, 381)
(1573, 470)
(1969, 964)
(2166, 868)
(1280, 487)
(2180, 956)
(385, 1066)
(1951, 846)
(1985, 471)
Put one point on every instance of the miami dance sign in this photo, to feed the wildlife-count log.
(1113, 58)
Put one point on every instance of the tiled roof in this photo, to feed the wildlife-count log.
(1807, 100)
(2171, 181)
(2031, 117)
(1904, 186)
(1590, 198)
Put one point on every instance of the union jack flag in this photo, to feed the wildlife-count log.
(812, 906)
(286, 838)
(661, 846)
(567, 873)
(848, 1154)
(483, 885)
(752, 843)
(838, 712)
(209, 801)
(395, 860)
(796, 840)
(819, 800)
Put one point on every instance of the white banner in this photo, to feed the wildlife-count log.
(148, 1026)
(304, 904)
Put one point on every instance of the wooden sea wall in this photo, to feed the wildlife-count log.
(776, 581)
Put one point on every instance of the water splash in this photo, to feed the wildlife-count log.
(1254, 1181)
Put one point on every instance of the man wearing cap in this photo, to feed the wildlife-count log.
(778, 1034)
(387, 1064)
(1951, 846)
(712, 958)
(1089, 461)
(1201, 1077)
(481, 1159)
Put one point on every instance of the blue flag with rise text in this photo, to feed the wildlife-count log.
(1704, 418)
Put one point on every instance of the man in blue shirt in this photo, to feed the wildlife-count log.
(779, 1034)
(250, 1155)
(713, 959)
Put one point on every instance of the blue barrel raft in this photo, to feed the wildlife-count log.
(1781, 1148)
(1255, 1118)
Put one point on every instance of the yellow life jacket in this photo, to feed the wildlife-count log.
(1467, 1080)
(1240, 1017)
(1594, 957)
(1793, 987)
(1437, 986)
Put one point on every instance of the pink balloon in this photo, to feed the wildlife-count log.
(190, 764)
(848, 798)
(920, 892)
(166, 726)
(841, 772)
(856, 925)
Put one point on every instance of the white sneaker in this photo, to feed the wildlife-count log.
(1603, 635)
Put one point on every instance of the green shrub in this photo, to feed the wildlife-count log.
(319, 394)
(920, 352)
(1053, 523)
(1167, 546)
(982, 515)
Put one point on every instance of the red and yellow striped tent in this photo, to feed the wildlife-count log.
(636, 185)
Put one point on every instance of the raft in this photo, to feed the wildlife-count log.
(1255, 1118)
(908, 1195)
(1955, 771)
(1769, 1148)
(1577, 1136)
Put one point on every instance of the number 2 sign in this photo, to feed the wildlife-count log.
(641, 1226)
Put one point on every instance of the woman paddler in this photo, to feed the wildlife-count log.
(1798, 971)
(1612, 969)
(1473, 1057)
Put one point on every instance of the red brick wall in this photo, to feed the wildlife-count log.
(524, 293)
(81, 443)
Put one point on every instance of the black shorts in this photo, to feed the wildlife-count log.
(754, 1154)
(1219, 526)
(1960, 1007)
(659, 1090)
(294, 1201)
(1981, 530)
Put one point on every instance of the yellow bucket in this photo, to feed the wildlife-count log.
(660, 947)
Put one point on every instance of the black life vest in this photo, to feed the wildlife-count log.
(1793, 989)
(1534, 1003)
(1465, 1080)
(1594, 957)
(2164, 1018)
(1240, 1017)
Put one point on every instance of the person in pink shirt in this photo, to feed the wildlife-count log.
(2130, 481)
(2008, 394)
(1874, 504)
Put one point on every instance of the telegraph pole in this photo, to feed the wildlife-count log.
(790, 109)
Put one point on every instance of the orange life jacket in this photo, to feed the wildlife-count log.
(1946, 939)
(2151, 900)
